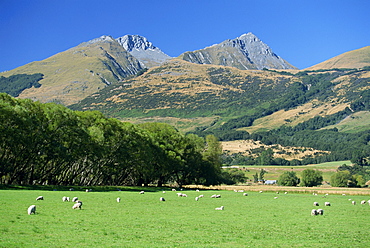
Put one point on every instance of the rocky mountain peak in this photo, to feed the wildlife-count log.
(131, 42)
(142, 49)
(246, 52)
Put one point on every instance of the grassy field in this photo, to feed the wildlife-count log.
(141, 220)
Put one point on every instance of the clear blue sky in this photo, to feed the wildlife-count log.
(302, 32)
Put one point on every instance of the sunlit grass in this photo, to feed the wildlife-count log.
(144, 221)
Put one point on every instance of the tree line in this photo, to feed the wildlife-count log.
(50, 144)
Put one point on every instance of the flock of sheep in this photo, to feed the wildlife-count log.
(78, 203)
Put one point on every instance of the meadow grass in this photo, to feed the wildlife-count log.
(144, 221)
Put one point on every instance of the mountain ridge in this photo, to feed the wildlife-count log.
(246, 52)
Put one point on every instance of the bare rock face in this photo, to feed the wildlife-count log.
(143, 50)
(246, 52)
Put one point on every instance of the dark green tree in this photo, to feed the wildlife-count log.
(288, 178)
(340, 179)
(311, 178)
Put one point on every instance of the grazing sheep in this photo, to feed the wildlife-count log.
(64, 198)
(241, 191)
(87, 190)
(363, 202)
(201, 196)
(316, 204)
(75, 199)
(220, 208)
(343, 194)
(118, 199)
(215, 196)
(197, 198)
(32, 209)
(67, 199)
(261, 191)
(71, 189)
(173, 189)
(164, 192)
(353, 203)
(320, 211)
(286, 193)
(78, 204)
(327, 204)
(141, 192)
(197, 190)
(182, 195)
(277, 192)
(314, 212)
(245, 194)
(275, 197)
(162, 199)
(39, 198)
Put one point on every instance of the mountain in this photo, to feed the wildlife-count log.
(74, 74)
(143, 50)
(353, 59)
(191, 96)
(246, 52)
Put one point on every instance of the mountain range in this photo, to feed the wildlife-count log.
(215, 87)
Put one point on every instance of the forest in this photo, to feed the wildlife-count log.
(49, 144)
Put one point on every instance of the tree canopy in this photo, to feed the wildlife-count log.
(51, 144)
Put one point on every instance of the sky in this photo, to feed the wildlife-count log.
(304, 33)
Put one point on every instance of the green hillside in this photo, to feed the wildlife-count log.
(78, 72)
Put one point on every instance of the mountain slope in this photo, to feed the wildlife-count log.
(210, 97)
(78, 72)
(143, 50)
(353, 59)
(246, 52)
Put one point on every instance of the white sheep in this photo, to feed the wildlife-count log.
(220, 208)
(118, 199)
(314, 212)
(261, 191)
(71, 189)
(245, 194)
(141, 192)
(275, 197)
(162, 199)
(75, 199)
(78, 204)
(320, 211)
(353, 202)
(286, 193)
(215, 196)
(39, 198)
(201, 196)
(173, 189)
(64, 198)
(32, 209)
(197, 198)
(327, 204)
(164, 192)
(316, 204)
(363, 202)
(197, 190)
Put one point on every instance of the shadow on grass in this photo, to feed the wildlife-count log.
(83, 188)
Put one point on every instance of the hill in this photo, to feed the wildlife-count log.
(353, 59)
(78, 72)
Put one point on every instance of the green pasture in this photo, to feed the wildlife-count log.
(141, 220)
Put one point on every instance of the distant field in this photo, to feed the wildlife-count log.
(273, 172)
(143, 221)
